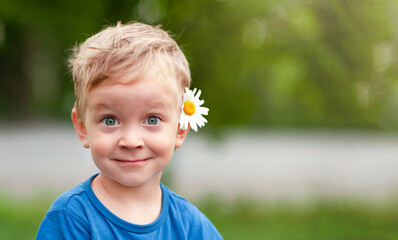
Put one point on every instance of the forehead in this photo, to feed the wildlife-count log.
(161, 74)
(131, 90)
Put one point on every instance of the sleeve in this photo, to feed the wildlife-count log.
(62, 225)
(208, 230)
(201, 228)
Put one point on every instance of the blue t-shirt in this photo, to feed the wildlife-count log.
(78, 214)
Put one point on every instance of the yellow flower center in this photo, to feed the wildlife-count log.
(189, 108)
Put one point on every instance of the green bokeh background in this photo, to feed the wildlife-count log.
(268, 63)
(260, 64)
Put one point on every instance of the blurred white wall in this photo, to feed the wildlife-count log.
(292, 165)
(269, 165)
(42, 157)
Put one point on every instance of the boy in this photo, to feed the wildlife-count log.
(131, 112)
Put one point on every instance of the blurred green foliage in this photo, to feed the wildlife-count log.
(322, 220)
(260, 63)
(20, 219)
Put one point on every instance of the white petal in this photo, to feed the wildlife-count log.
(198, 95)
(203, 110)
(194, 127)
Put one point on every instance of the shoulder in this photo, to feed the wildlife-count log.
(73, 199)
(182, 204)
(193, 220)
(67, 216)
(76, 203)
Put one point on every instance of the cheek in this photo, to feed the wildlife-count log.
(164, 145)
(101, 146)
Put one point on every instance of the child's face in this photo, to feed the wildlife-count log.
(131, 128)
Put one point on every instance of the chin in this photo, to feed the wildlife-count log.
(135, 181)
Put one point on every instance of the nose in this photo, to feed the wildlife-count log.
(131, 139)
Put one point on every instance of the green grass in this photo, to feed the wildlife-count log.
(20, 219)
(321, 221)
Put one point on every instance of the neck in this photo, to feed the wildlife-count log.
(137, 204)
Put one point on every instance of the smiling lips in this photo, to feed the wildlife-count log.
(132, 163)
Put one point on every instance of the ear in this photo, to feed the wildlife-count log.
(80, 128)
(181, 134)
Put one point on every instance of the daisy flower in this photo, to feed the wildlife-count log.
(191, 111)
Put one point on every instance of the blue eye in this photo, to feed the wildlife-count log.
(110, 121)
(152, 120)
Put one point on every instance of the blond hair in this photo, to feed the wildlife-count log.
(131, 48)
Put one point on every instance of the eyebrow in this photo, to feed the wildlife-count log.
(152, 104)
(156, 103)
(102, 106)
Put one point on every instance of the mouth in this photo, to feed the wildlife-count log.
(132, 163)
